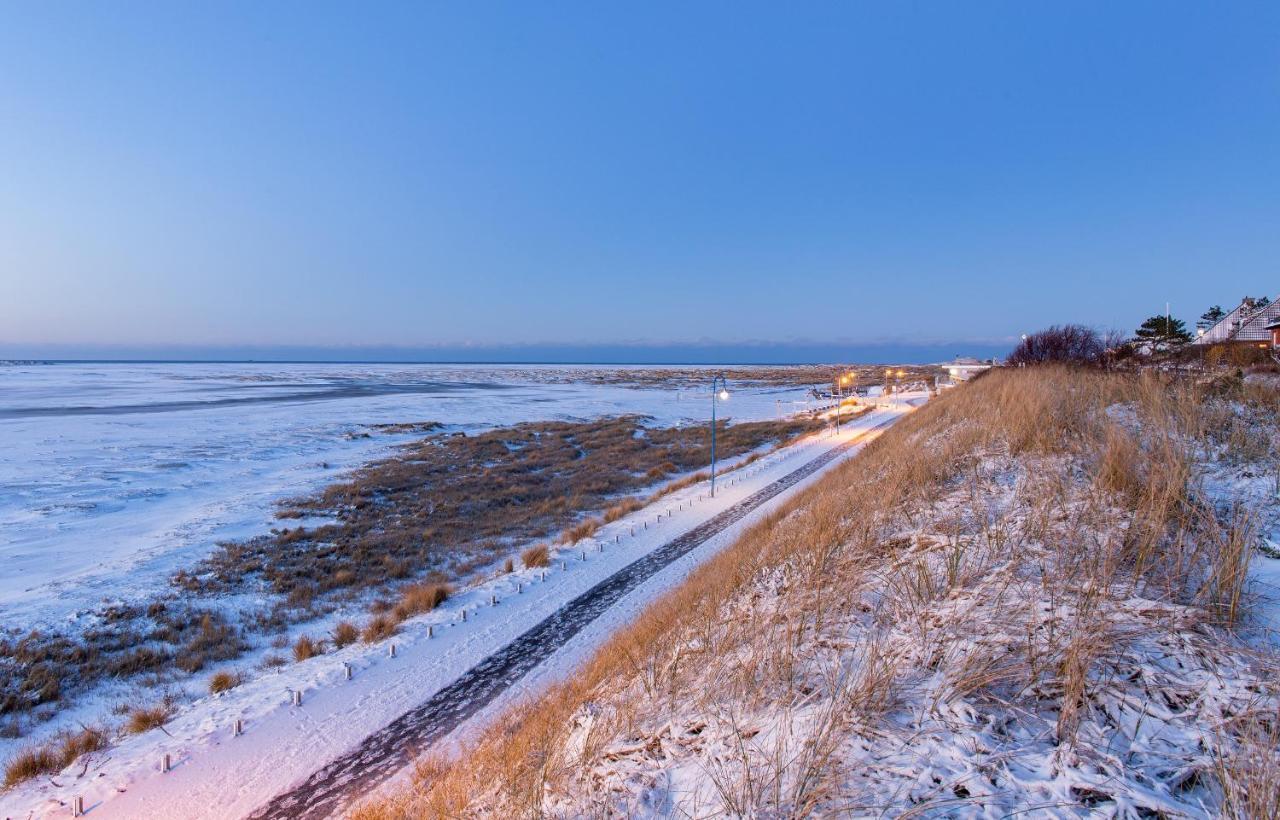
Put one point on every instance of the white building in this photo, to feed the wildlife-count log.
(965, 367)
(1246, 324)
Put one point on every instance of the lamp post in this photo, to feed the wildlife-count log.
(723, 395)
(844, 381)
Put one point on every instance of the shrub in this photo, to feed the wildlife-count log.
(509, 565)
(537, 556)
(222, 681)
(345, 633)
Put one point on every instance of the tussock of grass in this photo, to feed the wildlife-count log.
(306, 648)
(536, 556)
(379, 628)
(416, 599)
(54, 756)
(145, 718)
(345, 634)
(224, 681)
(29, 763)
(581, 530)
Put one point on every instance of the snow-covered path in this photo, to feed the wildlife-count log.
(449, 671)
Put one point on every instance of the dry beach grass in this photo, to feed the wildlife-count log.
(404, 528)
(1021, 596)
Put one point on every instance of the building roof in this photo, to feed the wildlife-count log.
(1244, 324)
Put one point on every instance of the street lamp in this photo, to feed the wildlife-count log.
(723, 395)
(844, 381)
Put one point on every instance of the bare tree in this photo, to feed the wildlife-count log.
(1065, 344)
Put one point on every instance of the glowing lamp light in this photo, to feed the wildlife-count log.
(724, 394)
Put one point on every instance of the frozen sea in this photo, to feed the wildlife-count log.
(114, 475)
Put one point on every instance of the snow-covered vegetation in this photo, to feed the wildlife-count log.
(1034, 594)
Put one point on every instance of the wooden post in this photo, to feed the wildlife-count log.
(77, 807)
(238, 728)
(391, 650)
(431, 630)
(464, 616)
(164, 763)
(493, 600)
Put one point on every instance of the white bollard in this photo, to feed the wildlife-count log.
(583, 556)
(297, 697)
(564, 567)
(519, 587)
(346, 671)
(391, 650)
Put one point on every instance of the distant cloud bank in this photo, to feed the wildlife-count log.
(800, 352)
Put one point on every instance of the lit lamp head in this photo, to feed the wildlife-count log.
(724, 394)
(901, 373)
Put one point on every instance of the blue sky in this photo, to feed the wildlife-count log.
(553, 176)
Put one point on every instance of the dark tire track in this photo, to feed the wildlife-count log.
(389, 750)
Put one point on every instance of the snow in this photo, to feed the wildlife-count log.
(112, 476)
(707, 748)
(216, 775)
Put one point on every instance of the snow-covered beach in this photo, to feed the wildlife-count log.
(112, 476)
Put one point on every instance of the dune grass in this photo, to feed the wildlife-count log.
(1028, 552)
